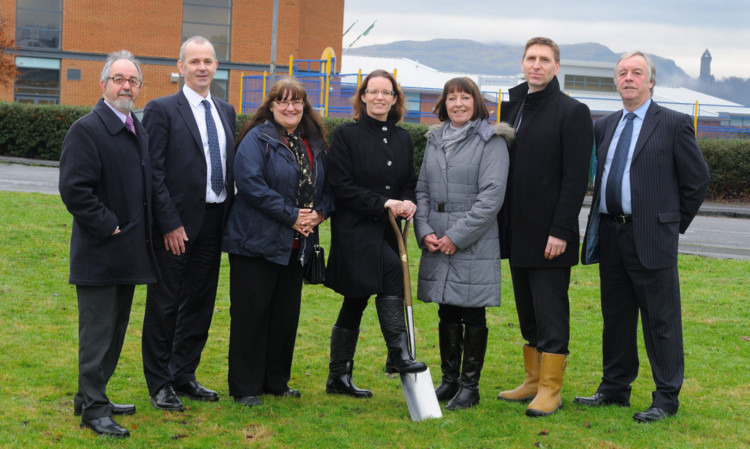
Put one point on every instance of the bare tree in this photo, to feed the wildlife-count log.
(7, 59)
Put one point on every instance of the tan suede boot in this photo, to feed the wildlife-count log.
(548, 398)
(527, 390)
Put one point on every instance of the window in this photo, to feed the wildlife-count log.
(38, 23)
(38, 80)
(591, 83)
(210, 19)
(219, 85)
(413, 107)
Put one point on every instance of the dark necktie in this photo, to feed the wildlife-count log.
(129, 124)
(217, 177)
(617, 168)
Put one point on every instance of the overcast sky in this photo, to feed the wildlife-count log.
(675, 29)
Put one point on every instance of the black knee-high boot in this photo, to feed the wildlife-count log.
(391, 317)
(343, 347)
(475, 346)
(451, 340)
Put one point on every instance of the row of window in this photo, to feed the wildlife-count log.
(39, 25)
(38, 81)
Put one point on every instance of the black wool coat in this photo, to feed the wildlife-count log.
(549, 162)
(369, 162)
(105, 182)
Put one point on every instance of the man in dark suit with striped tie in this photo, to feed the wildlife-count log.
(651, 179)
(191, 138)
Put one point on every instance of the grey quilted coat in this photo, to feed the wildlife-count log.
(460, 195)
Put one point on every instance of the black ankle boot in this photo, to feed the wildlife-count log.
(391, 317)
(475, 346)
(343, 347)
(451, 336)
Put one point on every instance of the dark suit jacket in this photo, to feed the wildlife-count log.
(179, 163)
(668, 180)
(105, 182)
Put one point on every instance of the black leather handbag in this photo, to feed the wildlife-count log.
(315, 270)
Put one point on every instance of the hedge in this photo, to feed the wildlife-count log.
(37, 132)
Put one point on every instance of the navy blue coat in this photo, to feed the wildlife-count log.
(264, 210)
(105, 182)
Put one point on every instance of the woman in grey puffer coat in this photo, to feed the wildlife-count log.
(460, 191)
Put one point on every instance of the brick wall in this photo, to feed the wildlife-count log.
(151, 28)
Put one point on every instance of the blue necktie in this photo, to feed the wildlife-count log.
(214, 151)
(617, 168)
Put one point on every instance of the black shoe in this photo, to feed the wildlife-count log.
(343, 347)
(166, 399)
(290, 394)
(105, 426)
(475, 348)
(196, 391)
(391, 316)
(652, 414)
(451, 346)
(116, 409)
(598, 400)
(248, 401)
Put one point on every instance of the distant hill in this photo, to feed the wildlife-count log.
(500, 59)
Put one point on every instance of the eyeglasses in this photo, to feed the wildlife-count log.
(120, 80)
(384, 93)
(296, 104)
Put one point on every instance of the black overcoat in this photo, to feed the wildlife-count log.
(549, 162)
(105, 182)
(369, 162)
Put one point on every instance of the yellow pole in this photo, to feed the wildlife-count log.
(359, 78)
(265, 75)
(242, 91)
(695, 120)
(395, 74)
(499, 103)
(328, 84)
(291, 64)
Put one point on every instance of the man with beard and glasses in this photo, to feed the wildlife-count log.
(105, 183)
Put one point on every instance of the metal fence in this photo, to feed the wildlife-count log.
(710, 121)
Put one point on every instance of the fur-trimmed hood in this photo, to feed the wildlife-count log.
(484, 129)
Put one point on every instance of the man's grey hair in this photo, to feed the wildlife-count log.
(199, 40)
(116, 56)
(649, 64)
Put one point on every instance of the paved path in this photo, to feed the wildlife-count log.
(720, 230)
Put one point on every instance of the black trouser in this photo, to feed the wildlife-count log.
(627, 288)
(469, 316)
(103, 315)
(264, 318)
(543, 308)
(350, 315)
(179, 308)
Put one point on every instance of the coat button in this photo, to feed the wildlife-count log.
(385, 140)
(387, 187)
(385, 128)
(389, 163)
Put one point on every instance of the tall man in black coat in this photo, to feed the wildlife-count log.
(191, 137)
(644, 197)
(105, 183)
(539, 221)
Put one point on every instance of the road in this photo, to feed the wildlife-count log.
(709, 235)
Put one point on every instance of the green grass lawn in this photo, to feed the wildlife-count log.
(38, 366)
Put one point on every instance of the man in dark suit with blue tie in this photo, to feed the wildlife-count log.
(191, 138)
(651, 179)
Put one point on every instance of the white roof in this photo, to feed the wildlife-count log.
(414, 76)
